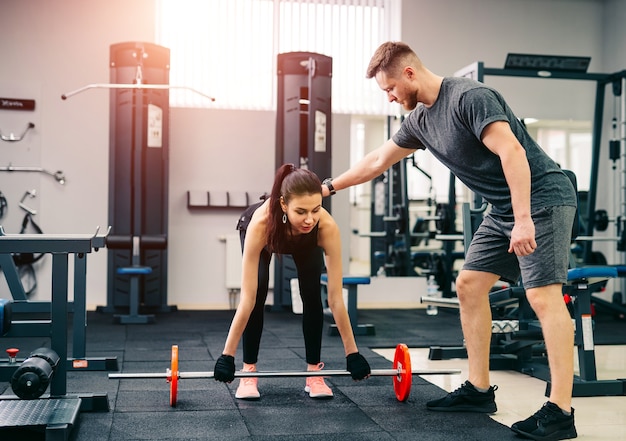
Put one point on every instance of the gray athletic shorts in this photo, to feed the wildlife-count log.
(488, 251)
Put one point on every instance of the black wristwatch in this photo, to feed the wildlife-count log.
(328, 182)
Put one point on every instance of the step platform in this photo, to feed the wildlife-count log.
(54, 416)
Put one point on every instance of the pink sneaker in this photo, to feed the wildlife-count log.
(316, 387)
(247, 389)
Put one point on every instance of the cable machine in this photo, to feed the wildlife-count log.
(138, 176)
(303, 134)
(392, 235)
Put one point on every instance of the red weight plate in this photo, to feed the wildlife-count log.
(173, 378)
(402, 381)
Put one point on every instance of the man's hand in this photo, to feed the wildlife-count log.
(523, 238)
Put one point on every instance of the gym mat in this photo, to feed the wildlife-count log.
(207, 410)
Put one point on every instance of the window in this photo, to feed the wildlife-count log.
(227, 48)
(571, 149)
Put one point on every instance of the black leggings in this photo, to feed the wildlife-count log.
(309, 265)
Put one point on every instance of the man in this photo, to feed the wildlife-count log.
(470, 128)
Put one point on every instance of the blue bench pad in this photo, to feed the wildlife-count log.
(350, 280)
(134, 270)
(591, 271)
(621, 270)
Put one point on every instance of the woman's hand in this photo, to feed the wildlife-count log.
(358, 366)
(224, 369)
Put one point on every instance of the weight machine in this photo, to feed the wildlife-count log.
(574, 68)
(138, 177)
(392, 236)
(303, 134)
(58, 412)
(516, 344)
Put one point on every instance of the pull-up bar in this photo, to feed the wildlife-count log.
(131, 86)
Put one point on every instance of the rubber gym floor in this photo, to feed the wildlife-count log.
(208, 410)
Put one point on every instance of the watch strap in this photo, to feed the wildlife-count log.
(328, 182)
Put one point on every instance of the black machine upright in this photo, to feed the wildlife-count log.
(139, 175)
(303, 132)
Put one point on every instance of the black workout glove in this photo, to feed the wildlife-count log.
(358, 366)
(224, 369)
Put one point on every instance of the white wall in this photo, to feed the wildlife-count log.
(50, 48)
(47, 49)
(451, 34)
(213, 150)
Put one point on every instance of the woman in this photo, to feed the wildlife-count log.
(292, 221)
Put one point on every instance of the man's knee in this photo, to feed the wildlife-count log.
(462, 284)
(470, 284)
(546, 298)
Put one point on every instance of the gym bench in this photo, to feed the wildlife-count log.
(581, 284)
(56, 245)
(351, 283)
(58, 411)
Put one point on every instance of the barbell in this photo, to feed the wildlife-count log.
(401, 373)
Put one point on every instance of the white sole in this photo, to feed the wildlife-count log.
(307, 389)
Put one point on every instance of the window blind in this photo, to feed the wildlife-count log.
(228, 48)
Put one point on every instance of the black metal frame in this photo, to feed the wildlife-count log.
(303, 93)
(78, 307)
(478, 71)
(58, 411)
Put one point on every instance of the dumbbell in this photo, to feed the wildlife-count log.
(31, 379)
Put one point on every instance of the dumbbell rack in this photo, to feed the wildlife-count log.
(58, 411)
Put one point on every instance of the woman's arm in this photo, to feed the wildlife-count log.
(253, 245)
(329, 239)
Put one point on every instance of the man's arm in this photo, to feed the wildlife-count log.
(373, 164)
(499, 138)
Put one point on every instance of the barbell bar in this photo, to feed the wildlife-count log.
(402, 374)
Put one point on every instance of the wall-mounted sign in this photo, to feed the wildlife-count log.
(16, 104)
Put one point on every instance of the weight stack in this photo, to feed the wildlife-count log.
(138, 168)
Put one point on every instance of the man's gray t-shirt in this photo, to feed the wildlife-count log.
(451, 130)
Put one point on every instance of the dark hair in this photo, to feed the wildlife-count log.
(389, 57)
(288, 182)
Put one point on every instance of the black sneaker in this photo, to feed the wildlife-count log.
(466, 399)
(548, 423)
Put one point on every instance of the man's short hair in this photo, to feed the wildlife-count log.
(389, 57)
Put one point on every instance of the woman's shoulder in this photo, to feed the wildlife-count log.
(327, 221)
(325, 215)
(261, 214)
